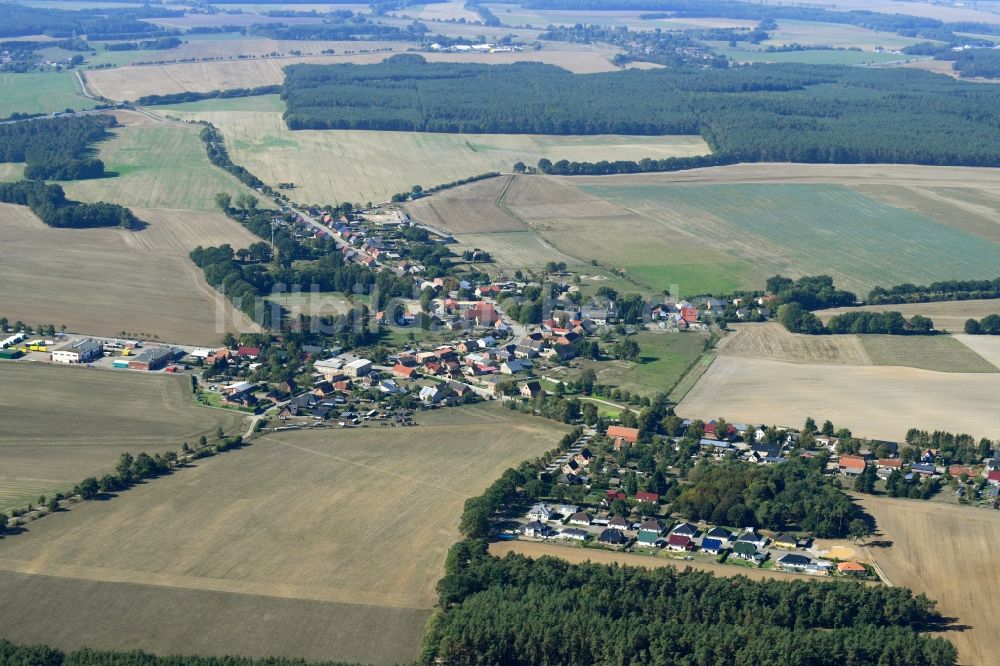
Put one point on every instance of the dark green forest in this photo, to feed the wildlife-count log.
(50, 204)
(975, 62)
(521, 611)
(56, 148)
(787, 112)
(17, 20)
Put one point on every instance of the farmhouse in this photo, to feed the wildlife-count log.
(630, 435)
(81, 351)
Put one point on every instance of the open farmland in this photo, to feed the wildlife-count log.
(811, 33)
(65, 423)
(962, 578)
(156, 165)
(947, 315)
(941, 353)
(665, 357)
(347, 525)
(987, 346)
(62, 275)
(771, 340)
(873, 401)
(360, 165)
(982, 12)
(40, 92)
(812, 56)
(130, 83)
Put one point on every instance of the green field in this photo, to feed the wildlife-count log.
(158, 165)
(941, 353)
(801, 229)
(665, 357)
(40, 92)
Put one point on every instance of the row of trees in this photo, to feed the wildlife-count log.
(517, 610)
(888, 323)
(945, 290)
(43, 655)
(778, 112)
(50, 204)
(988, 325)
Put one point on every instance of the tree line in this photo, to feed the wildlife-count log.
(988, 325)
(776, 112)
(50, 204)
(190, 96)
(945, 290)
(17, 20)
(56, 148)
(517, 610)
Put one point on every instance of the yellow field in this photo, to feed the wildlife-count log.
(942, 11)
(130, 83)
(331, 166)
(873, 401)
(65, 423)
(357, 522)
(960, 576)
(102, 281)
(773, 341)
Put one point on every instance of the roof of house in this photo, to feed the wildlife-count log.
(794, 559)
(853, 462)
(891, 463)
(651, 525)
(685, 529)
(750, 536)
(719, 533)
(679, 540)
(851, 567)
(574, 532)
(628, 434)
(993, 475)
(644, 496)
(618, 522)
(580, 517)
(711, 544)
(924, 468)
(612, 535)
(784, 538)
(648, 537)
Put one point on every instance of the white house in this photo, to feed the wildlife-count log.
(81, 351)
(540, 512)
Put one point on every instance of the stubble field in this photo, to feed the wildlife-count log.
(66, 423)
(946, 552)
(359, 165)
(873, 401)
(947, 315)
(103, 281)
(346, 529)
(130, 83)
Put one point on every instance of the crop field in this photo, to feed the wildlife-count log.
(941, 353)
(40, 92)
(962, 578)
(515, 15)
(353, 165)
(352, 524)
(982, 12)
(947, 315)
(987, 346)
(835, 34)
(130, 83)
(66, 423)
(451, 10)
(61, 276)
(813, 57)
(772, 341)
(157, 165)
(873, 401)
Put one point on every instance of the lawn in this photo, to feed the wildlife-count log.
(348, 525)
(40, 92)
(665, 357)
(63, 424)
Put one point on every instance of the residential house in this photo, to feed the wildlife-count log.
(712, 546)
(401, 371)
(537, 530)
(581, 518)
(958, 470)
(685, 529)
(747, 551)
(794, 562)
(852, 465)
(924, 469)
(680, 542)
(719, 533)
(651, 525)
(540, 512)
(993, 477)
(612, 537)
(785, 541)
(613, 495)
(852, 568)
(619, 523)
(647, 539)
(565, 509)
(431, 395)
(573, 533)
(511, 367)
(630, 435)
(644, 496)
(752, 537)
(530, 389)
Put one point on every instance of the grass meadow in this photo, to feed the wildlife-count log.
(40, 92)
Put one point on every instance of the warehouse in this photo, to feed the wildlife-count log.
(152, 359)
(358, 368)
(81, 351)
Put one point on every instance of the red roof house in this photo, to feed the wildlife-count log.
(994, 477)
(680, 542)
(248, 352)
(689, 314)
(630, 435)
(403, 372)
(615, 495)
(643, 496)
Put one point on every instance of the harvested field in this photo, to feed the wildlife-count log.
(572, 555)
(873, 401)
(219, 533)
(66, 423)
(987, 346)
(942, 11)
(103, 281)
(942, 353)
(130, 83)
(962, 580)
(947, 315)
(772, 341)
(232, 47)
(158, 165)
(353, 165)
(835, 34)
(452, 10)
